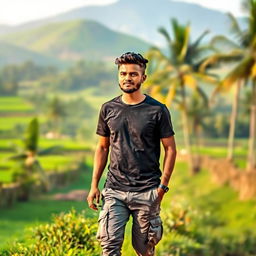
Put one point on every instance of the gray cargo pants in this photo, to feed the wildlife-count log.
(117, 207)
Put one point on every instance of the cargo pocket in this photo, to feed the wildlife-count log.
(155, 231)
(102, 233)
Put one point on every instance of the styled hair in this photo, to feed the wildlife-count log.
(131, 58)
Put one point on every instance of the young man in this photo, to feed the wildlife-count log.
(132, 125)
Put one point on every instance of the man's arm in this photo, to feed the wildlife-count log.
(100, 161)
(169, 161)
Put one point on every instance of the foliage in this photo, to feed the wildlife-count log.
(189, 232)
(11, 75)
(81, 75)
(69, 234)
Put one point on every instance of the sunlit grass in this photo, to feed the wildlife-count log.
(14, 104)
(10, 122)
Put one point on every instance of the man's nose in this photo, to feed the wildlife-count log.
(128, 77)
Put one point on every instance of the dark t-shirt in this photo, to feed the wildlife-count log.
(135, 132)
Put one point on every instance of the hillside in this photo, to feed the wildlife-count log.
(11, 54)
(75, 40)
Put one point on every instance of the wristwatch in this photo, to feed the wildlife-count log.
(165, 188)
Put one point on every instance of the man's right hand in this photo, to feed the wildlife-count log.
(93, 196)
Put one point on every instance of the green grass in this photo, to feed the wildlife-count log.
(14, 104)
(24, 215)
(49, 163)
(56, 162)
(67, 144)
(240, 153)
(231, 215)
(6, 176)
(10, 122)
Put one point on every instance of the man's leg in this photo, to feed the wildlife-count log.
(112, 220)
(147, 227)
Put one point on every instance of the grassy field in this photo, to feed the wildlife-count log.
(220, 202)
(232, 216)
(15, 104)
(49, 163)
(16, 221)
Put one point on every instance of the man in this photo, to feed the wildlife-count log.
(132, 125)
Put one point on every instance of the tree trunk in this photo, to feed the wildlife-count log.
(185, 125)
(231, 138)
(251, 162)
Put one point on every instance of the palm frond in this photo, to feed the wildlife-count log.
(221, 42)
(164, 32)
(234, 26)
(185, 45)
(50, 150)
(216, 59)
(199, 39)
(241, 72)
(18, 157)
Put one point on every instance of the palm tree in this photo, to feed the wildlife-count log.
(174, 76)
(244, 72)
(30, 169)
(197, 112)
(235, 53)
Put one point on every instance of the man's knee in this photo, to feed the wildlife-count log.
(150, 239)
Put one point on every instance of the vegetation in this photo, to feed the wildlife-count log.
(69, 234)
(240, 51)
(177, 74)
(199, 217)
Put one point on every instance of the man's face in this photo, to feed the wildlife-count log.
(130, 77)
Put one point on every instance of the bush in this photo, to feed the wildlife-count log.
(188, 232)
(70, 234)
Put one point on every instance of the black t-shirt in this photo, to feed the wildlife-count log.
(135, 132)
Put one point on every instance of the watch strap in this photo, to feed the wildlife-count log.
(165, 188)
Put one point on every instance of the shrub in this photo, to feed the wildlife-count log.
(188, 232)
(70, 234)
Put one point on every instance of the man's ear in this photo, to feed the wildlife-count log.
(144, 77)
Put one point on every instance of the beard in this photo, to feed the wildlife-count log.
(131, 90)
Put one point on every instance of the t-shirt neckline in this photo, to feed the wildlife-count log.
(120, 99)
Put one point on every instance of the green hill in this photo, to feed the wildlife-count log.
(12, 54)
(74, 40)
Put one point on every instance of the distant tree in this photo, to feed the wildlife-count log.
(56, 113)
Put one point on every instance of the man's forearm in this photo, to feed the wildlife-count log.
(168, 165)
(100, 161)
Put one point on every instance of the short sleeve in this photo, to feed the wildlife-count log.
(165, 124)
(102, 128)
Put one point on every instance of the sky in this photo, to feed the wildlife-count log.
(14, 12)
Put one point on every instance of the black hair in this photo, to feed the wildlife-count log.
(131, 58)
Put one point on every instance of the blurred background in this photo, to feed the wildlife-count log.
(57, 69)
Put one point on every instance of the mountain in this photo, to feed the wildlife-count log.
(11, 54)
(5, 29)
(142, 18)
(75, 40)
